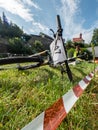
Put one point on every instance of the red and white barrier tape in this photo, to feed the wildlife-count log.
(96, 61)
(51, 118)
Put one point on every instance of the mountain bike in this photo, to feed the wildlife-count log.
(56, 56)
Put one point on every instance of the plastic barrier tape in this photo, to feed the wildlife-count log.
(51, 118)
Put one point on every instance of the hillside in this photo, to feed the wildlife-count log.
(3, 45)
(45, 41)
(12, 35)
(43, 38)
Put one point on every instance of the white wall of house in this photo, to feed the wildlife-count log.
(96, 50)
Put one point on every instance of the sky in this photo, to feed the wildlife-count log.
(35, 16)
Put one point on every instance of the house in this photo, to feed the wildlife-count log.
(78, 39)
(96, 52)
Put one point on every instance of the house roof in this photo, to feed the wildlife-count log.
(78, 40)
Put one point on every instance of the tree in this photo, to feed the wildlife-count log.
(25, 37)
(14, 31)
(95, 37)
(0, 25)
(69, 44)
(5, 21)
(18, 47)
(0, 20)
(37, 46)
(9, 30)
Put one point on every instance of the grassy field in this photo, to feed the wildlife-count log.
(25, 94)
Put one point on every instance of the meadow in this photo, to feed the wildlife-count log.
(26, 94)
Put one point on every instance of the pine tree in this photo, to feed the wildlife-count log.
(5, 21)
(0, 20)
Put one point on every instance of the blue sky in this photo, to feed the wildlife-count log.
(35, 16)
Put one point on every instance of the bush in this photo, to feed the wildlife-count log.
(70, 52)
(18, 47)
(37, 46)
(88, 54)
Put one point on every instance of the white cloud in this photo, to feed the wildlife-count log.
(38, 27)
(70, 11)
(89, 32)
(31, 3)
(70, 6)
(20, 8)
(17, 7)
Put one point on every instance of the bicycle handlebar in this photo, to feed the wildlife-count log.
(59, 26)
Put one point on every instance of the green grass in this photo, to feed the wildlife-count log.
(25, 94)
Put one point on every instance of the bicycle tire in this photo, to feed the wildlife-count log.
(12, 60)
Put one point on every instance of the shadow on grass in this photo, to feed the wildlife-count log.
(93, 87)
(49, 72)
(81, 71)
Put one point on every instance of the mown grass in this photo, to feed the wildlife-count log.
(25, 94)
